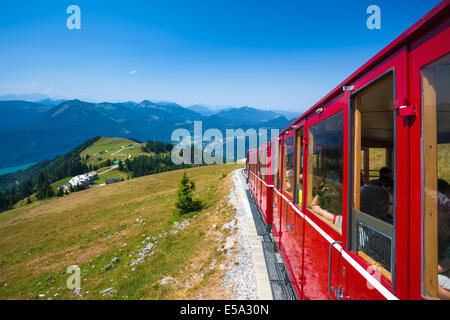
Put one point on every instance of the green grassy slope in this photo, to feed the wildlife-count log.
(39, 241)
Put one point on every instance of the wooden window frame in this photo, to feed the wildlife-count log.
(430, 177)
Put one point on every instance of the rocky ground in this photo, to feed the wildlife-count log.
(241, 276)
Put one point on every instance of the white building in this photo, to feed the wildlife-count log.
(85, 179)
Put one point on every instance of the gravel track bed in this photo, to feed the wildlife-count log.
(241, 275)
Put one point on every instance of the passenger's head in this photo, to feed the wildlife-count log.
(385, 172)
(387, 183)
(289, 173)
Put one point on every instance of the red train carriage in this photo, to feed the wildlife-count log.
(260, 179)
(361, 197)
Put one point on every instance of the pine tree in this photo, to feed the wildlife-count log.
(185, 204)
(44, 188)
(3, 202)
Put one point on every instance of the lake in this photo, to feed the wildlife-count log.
(15, 169)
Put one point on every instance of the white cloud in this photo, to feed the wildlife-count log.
(132, 72)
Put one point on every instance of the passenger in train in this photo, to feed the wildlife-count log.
(289, 180)
(374, 201)
(443, 239)
(329, 193)
(299, 187)
(377, 197)
(388, 185)
(384, 173)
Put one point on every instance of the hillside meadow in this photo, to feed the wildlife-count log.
(117, 222)
(112, 145)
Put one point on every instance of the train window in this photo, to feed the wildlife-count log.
(299, 166)
(263, 164)
(373, 196)
(274, 165)
(258, 169)
(269, 167)
(277, 161)
(436, 179)
(260, 162)
(325, 169)
(288, 168)
(255, 163)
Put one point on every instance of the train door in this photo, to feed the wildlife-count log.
(378, 197)
(263, 202)
(291, 217)
(250, 170)
(287, 186)
(253, 161)
(324, 197)
(430, 169)
(269, 186)
(258, 176)
(277, 160)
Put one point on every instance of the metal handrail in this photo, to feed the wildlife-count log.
(329, 268)
(288, 227)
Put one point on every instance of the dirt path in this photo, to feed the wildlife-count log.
(112, 168)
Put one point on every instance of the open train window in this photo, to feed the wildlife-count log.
(298, 196)
(288, 167)
(373, 181)
(436, 178)
(325, 169)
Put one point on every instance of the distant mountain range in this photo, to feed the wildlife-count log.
(35, 131)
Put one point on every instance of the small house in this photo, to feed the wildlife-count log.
(113, 180)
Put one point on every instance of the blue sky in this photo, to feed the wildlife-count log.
(282, 55)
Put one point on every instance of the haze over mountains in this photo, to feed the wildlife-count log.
(43, 129)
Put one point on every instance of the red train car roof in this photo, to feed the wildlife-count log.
(428, 21)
